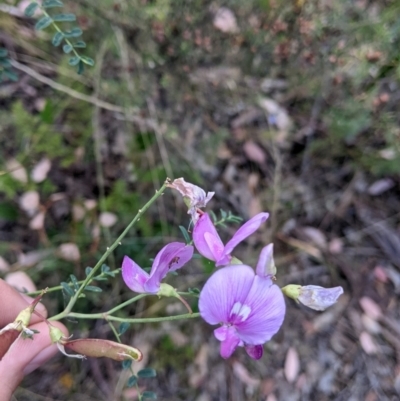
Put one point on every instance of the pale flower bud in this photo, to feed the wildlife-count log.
(194, 196)
(313, 296)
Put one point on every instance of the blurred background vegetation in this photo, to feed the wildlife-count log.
(288, 107)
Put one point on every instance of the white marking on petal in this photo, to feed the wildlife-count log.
(240, 311)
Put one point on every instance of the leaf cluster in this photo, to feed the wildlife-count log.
(6, 70)
(67, 36)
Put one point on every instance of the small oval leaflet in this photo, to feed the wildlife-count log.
(43, 23)
(57, 39)
(64, 17)
(123, 327)
(67, 48)
(149, 395)
(147, 373)
(67, 288)
(126, 364)
(30, 10)
(93, 288)
(131, 381)
(73, 60)
(52, 3)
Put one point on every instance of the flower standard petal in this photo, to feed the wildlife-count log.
(268, 308)
(172, 257)
(244, 231)
(206, 238)
(134, 276)
(224, 291)
(266, 265)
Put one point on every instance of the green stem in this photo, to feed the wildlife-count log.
(128, 320)
(116, 243)
(128, 302)
(59, 287)
(56, 27)
(114, 331)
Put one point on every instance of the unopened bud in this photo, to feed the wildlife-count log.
(97, 348)
(167, 290)
(56, 334)
(313, 296)
(292, 291)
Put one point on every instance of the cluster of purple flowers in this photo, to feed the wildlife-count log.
(246, 304)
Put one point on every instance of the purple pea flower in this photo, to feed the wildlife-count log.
(172, 257)
(249, 307)
(209, 243)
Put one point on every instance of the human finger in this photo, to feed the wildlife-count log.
(12, 302)
(26, 355)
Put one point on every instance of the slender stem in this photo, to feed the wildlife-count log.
(59, 287)
(57, 28)
(114, 331)
(116, 243)
(126, 303)
(129, 320)
(189, 294)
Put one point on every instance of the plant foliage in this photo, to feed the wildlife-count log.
(61, 35)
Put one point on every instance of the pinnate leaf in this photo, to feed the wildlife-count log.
(43, 23)
(147, 373)
(52, 3)
(57, 39)
(64, 17)
(87, 60)
(30, 10)
(67, 49)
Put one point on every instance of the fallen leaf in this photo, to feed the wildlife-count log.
(69, 251)
(335, 246)
(90, 204)
(278, 117)
(107, 219)
(381, 186)
(316, 236)
(78, 212)
(29, 202)
(368, 344)
(371, 325)
(30, 259)
(37, 223)
(21, 281)
(254, 152)
(371, 308)
(17, 170)
(40, 171)
(240, 371)
(225, 20)
(292, 365)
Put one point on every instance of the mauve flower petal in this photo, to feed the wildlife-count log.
(319, 298)
(206, 238)
(222, 290)
(266, 265)
(254, 351)
(172, 257)
(229, 343)
(267, 312)
(134, 276)
(244, 231)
